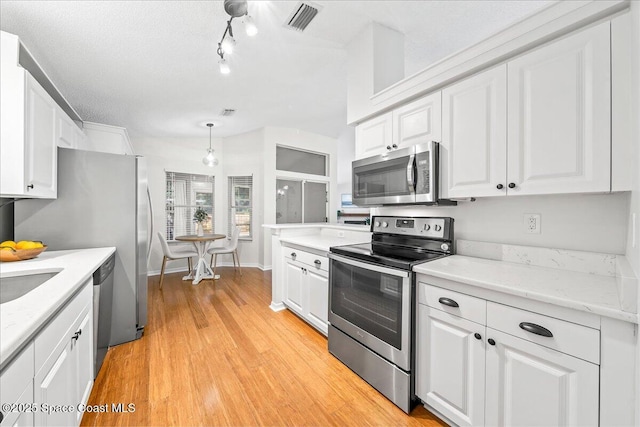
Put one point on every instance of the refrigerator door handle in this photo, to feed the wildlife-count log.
(151, 220)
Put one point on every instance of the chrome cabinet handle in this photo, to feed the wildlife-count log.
(317, 263)
(499, 186)
(395, 145)
(448, 301)
(293, 255)
(512, 185)
(536, 329)
(30, 186)
(77, 335)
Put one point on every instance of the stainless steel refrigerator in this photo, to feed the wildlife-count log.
(103, 200)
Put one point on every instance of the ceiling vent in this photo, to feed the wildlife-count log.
(228, 112)
(302, 16)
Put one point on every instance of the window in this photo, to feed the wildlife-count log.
(292, 160)
(184, 193)
(240, 206)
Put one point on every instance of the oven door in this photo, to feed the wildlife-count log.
(372, 304)
(384, 180)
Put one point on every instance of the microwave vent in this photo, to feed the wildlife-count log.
(302, 15)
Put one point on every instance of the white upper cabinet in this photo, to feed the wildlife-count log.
(559, 107)
(414, 123)
(39, 166)
(374, 136)
(473, 155)
(66, 133)
(418, 122)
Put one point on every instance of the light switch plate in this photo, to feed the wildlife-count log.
(532, 223)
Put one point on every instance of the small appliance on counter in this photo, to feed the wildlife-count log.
(372, 300)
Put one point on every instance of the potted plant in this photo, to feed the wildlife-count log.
(199, 216)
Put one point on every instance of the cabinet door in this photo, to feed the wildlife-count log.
(40, 142)
(473, 154)
(418, 122)
(22, 418)
(374, 136)
(560, 116)
(83, 355)
(65, 130)
(293, 289)
(318, 287)
(528, 384)
(450, 365)
(57, 386)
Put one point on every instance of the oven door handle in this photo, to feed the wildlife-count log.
(372, 267)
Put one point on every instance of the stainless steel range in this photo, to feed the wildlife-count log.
(372, 300)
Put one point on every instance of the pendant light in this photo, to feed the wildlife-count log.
(210, 160)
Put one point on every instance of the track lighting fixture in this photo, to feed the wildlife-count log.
(235, 9)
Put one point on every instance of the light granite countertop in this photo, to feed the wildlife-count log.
(320, 225)
(582, 291)
(322, 242)
(22, 318)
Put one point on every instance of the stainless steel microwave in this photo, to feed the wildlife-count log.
(404, 176)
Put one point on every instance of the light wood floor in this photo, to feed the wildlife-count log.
(215, 354)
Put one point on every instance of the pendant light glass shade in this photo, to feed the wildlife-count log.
(210, 159)
(228, 44)
(224, 66)
(250, 26)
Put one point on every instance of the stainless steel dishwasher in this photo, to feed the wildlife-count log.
(102, 302)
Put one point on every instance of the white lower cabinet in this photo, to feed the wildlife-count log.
(528, 384)
(451, 375)
(473, 374)
(56, 367)
(306, 287)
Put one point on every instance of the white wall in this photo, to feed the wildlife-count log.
(594, 223)
(178, 155)
(346, 154)
(298, 139)
(243, 156)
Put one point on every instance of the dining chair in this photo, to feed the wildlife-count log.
(230, 248)
(175, 253)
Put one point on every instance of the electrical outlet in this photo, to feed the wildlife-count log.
(532, 223)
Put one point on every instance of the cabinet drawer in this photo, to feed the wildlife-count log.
(18, 375)
(468, 307)
(55, 330)
(311, 260)
(570, 338)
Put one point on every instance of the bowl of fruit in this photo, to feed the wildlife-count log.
(24, 249)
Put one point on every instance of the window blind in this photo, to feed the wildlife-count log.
(241, 205)
(184, 193)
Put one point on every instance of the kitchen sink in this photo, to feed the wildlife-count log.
(14, 286)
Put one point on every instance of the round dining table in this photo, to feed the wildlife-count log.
(201, 269)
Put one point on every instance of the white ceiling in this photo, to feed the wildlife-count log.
(151, 66)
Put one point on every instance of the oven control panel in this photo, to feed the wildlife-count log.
(432, 227)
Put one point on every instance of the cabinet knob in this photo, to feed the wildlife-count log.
(317, 263)
(477, 336)
(388, 147)
(499, 186)
(293, 255)
(491, 341)
(395, 145)
(30, 186)
(512, 185)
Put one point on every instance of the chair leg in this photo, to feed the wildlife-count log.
(189, 264)
(236, 256)
(214, 261)
(164, 262)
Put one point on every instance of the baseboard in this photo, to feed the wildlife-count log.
(277, 306)
(220, 264)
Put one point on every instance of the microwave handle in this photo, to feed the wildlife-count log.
(411, 182)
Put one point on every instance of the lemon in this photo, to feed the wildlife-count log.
(37, 244)
(22, 243)
(28, 244)
(6, 248)
(9, 243)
